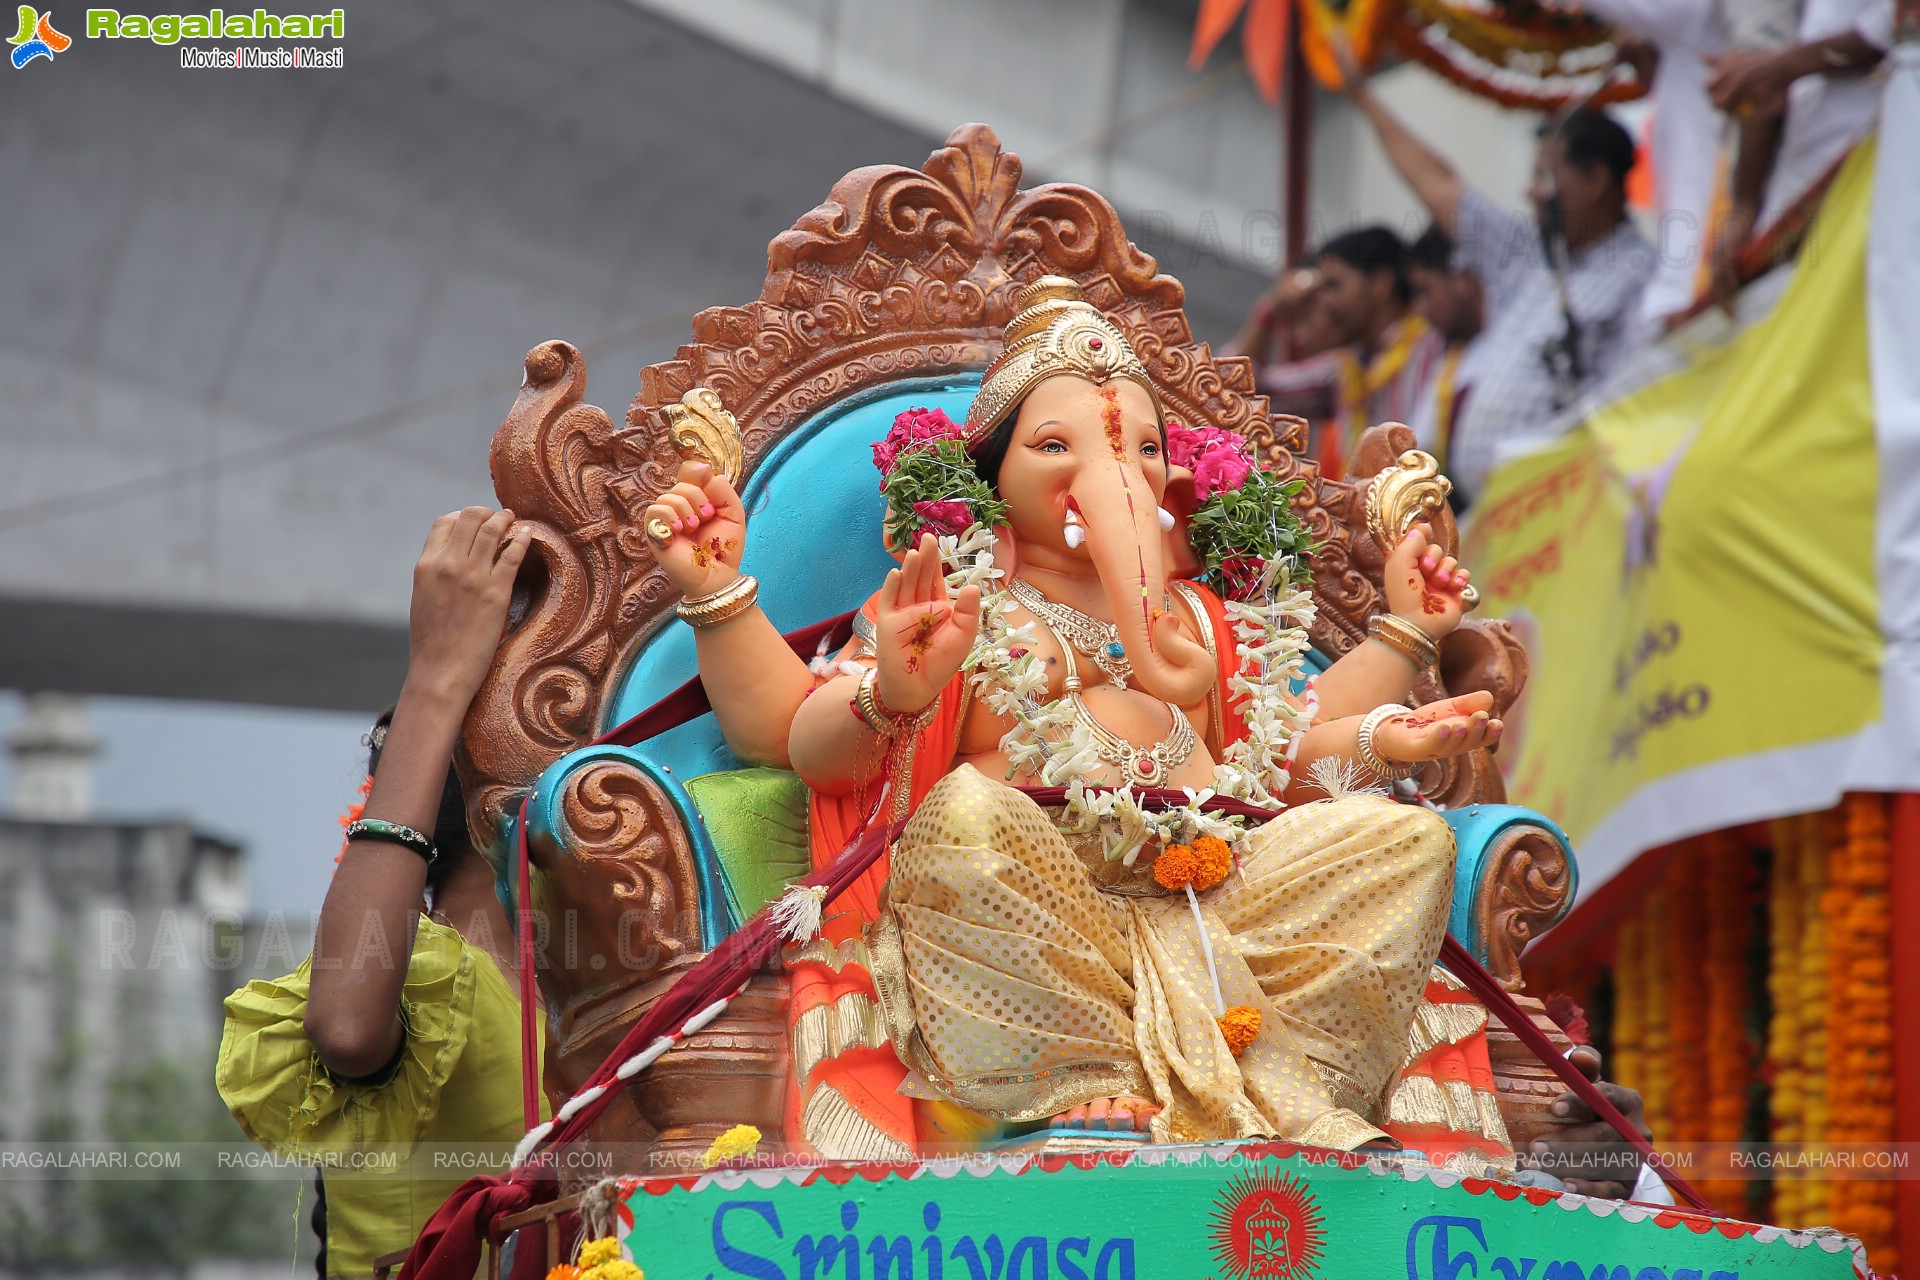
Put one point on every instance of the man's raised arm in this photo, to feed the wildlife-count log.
(1419, 166)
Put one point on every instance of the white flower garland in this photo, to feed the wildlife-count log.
(1009, 677)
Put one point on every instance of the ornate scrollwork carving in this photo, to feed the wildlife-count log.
(623, 865)
(1531, 888)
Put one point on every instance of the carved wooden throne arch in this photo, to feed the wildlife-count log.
(901, 273)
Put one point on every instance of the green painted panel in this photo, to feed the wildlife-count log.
(1214, 1212)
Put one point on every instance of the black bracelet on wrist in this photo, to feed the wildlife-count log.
(393, 833)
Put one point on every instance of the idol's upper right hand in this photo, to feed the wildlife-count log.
(922, 631)
(705, 527)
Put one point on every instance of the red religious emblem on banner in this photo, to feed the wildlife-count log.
(1267, 1225)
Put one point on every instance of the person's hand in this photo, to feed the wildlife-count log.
(1724, 283)
(1750, 83)
(1425, 585)
(1439, 729)
(461, 587)
(922, 634)
(1589, 1155)
(1353, 77)
(1639, 55)
(708, 528)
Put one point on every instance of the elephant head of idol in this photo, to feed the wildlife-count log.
(1068, 428)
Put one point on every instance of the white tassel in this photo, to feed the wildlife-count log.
(1342, 778)
(535, 1136)
(578, 1103)
(799, 910)
(699, 1021)
(645, 1058)
(1206, 949)
(1166, 520)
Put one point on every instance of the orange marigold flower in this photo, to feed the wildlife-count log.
(565, 1271)
(1241, 1026)
(1214, 862)
(1175, 867)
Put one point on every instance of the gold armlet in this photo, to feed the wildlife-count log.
(717, 607)
(1370, 759)
(1405, 639)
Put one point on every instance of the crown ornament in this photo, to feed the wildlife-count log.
(1054, 331)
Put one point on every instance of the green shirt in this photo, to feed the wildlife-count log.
(391, 1149)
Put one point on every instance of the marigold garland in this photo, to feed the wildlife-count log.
(1860, 1026)
(1787, 923)
(1685, 904)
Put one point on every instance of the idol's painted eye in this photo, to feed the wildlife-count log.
(1052, 446)
(1151, 449)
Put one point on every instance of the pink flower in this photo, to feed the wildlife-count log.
(1240, 576)
(947, 516)
(1220, 469)
(911, 429)
(1218, 459)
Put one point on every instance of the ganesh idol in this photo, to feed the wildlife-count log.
(1065, 935)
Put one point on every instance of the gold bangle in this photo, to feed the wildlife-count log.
(888, 724)
(1372, 760)
(1405, 639)
(717, 607)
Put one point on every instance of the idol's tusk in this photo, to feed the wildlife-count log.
(1166, 520)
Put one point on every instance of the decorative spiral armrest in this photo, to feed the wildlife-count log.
(1517, 879)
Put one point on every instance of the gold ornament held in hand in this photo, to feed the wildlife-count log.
(703, 431)
(1403, 495)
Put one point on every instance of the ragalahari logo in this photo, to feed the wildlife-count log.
(37, 38)
(1267, 1226)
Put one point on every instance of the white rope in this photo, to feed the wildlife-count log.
(534, 1137)
(578, 1103)
(699, 1021)
(1206, 949)
(645, 1058)
(625, 1071)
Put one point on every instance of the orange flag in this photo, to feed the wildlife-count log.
(1263, 39)
(1214, 21)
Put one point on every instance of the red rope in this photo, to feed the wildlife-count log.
(684, 704)
(1461, 963)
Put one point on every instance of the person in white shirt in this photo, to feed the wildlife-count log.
(1557, 323)
(1800, 109)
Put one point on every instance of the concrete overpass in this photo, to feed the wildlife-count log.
(256, 327)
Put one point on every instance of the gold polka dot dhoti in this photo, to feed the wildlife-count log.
(1022, 975)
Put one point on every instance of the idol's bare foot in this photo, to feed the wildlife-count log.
(1123, 1113)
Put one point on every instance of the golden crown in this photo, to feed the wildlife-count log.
(1054, 330)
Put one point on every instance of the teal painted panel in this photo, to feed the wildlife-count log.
(1211, 1212)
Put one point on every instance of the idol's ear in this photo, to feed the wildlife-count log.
(1006, 553)
(1180, 502)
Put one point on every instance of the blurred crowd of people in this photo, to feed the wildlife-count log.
(1490, 326)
